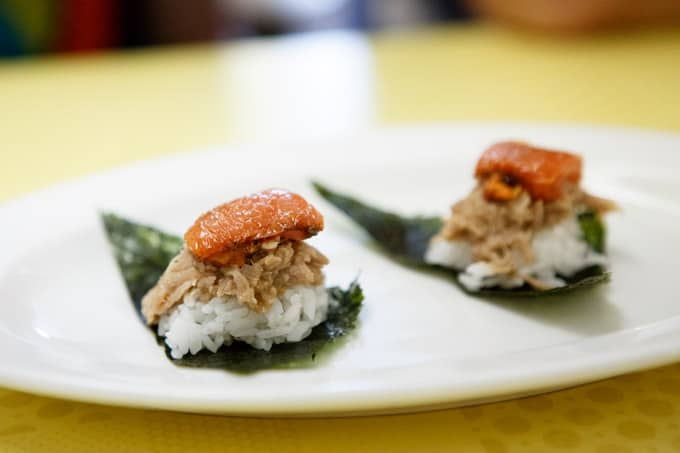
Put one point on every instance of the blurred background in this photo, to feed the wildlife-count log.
(87, 85)
(29, 27)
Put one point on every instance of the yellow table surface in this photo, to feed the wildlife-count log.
(65, 117)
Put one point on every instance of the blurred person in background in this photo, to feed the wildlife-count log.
(36, 26)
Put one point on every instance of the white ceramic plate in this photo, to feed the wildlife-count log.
(67, 328)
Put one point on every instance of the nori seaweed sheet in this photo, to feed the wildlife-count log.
(143, 252)
(406, 238)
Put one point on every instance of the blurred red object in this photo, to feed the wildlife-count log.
(87, 25)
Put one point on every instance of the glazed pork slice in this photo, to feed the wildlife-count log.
(230, 231)
(542, 173)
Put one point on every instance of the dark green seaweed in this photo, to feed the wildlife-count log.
(406, 238)
(143, 253)
(240, 357)
(403, 237)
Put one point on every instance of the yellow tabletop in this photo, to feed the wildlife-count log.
(65, 117)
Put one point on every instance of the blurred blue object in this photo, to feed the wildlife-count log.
(10, 41)
(26, 26)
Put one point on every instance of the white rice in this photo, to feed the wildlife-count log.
(192, 325)
(560, 249)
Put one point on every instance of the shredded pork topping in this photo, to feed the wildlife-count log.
(500, 233)
(266, 274)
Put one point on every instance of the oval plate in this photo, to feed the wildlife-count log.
(68, 330)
